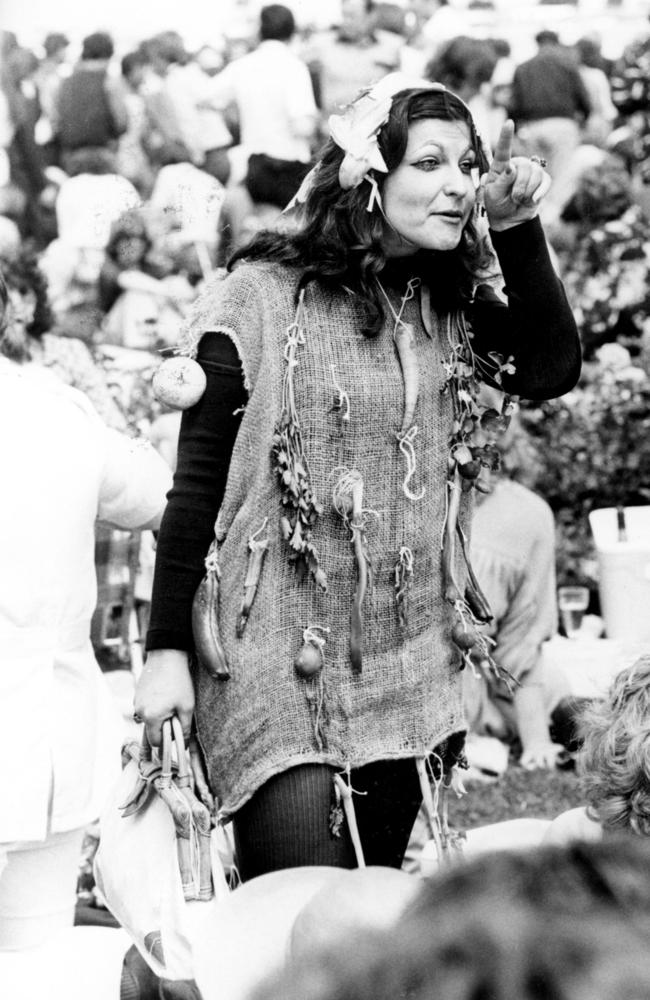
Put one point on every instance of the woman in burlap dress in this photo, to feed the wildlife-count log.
(328, 468)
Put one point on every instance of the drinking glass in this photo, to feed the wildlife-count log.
(572, 603)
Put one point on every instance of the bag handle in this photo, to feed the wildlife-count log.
(172, 732)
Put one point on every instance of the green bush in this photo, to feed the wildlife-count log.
(594, 448)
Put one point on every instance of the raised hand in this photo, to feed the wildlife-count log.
(513, 186)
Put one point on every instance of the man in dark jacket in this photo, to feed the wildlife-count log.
(549, 104)
(89, 108)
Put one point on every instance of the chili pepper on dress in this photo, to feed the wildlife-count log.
(256, 551)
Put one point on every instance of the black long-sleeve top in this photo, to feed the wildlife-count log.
(536, 326)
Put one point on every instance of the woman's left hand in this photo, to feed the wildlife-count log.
(513, 186)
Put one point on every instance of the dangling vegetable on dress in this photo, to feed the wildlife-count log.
(347, 500)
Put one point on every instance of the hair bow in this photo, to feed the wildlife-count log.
(356, 132)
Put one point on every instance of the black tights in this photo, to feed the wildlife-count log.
(286, 824)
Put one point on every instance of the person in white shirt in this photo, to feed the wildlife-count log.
(62, 470)
(274, 97)
(272, 91)
(177, 101)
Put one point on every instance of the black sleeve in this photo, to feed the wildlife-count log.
(536, 327)
(207, 436)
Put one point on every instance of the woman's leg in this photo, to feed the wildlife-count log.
(286, 824)
(386, 809)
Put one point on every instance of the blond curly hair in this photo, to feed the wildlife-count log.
(614, 760)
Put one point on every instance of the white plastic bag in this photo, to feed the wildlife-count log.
(137, 872)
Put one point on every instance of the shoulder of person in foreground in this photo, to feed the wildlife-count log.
(573, 824)
(135, 482)
(134, 478)
(542, 922)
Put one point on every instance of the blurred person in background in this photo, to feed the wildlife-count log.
(26, 160)
(466, 65)
(90, 198)
(349, 57)
(143, 307)
(29, 341)
(132, 159)
(444, 22)
(549, 104)
(273, 94)
(500, 87)
(211, 59)
(52, 68)
(603, 113)
(190, 128)
(88, 110)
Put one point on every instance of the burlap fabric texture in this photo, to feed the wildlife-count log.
(407, 699)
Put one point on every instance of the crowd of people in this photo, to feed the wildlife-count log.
(366, 245)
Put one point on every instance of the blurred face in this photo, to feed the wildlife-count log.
(130, 250)
(429, 197)
(21, 307)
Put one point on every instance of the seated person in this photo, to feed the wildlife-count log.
(89, 200)
(549, 922)
(31, 340)
(613, 762)
(142, 307)
(513, 555)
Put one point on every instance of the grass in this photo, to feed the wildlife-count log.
(517, 794)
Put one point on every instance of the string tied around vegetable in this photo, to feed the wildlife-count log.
(403, 577)
(343, 806)
(257, 548)
(472, 448)
(341, 402)
(308, 665)
(406, 446)
(434, 790)
(347, 500)
(405, 346)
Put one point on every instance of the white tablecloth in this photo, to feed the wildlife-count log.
(591, 664)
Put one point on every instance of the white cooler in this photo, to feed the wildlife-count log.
(624, 572)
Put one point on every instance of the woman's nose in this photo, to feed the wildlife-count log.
(455, 181)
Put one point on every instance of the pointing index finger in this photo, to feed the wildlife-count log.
(503, 148)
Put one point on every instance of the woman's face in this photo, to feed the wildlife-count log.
(21, 307)
(429, 197)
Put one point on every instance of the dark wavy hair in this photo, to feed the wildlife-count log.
(340, 243)
(129, 224)
(21, 271)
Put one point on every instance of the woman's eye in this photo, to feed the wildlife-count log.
(467, 166)
(430, 163)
